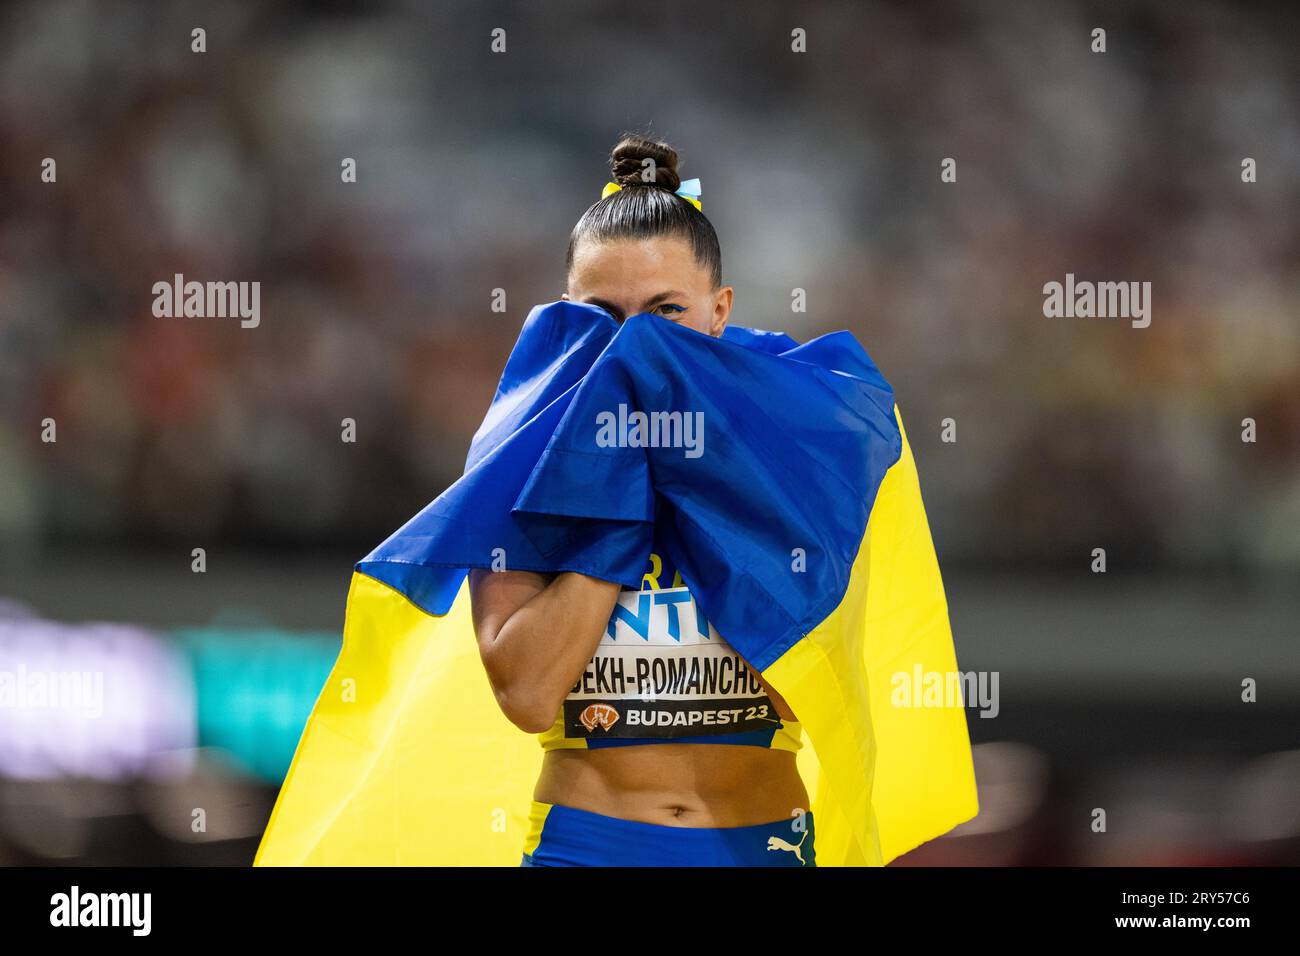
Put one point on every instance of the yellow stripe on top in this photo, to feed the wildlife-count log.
(554, 739)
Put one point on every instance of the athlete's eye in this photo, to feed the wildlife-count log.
(669, 310)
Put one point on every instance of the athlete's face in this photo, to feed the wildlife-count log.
(629, 276)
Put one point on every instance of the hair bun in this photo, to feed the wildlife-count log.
(628, 166)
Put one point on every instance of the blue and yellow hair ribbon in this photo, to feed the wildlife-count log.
(689, 190)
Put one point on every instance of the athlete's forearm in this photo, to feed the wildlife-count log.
(535, 651)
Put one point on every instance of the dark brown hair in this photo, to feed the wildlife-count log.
(647, 205)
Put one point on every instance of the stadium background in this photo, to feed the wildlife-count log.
(821, 171)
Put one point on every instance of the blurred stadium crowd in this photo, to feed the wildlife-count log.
(820, 172)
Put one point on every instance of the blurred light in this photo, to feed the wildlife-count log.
(256, 689)
(95, 700)
(1012, 780)
(1165, 813)
(1265, 798)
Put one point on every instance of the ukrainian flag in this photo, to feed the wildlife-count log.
(798, 526)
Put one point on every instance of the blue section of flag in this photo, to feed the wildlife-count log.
(763, 523)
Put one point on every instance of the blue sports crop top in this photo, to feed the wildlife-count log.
(662, 674)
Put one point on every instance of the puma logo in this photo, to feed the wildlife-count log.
(776, 843)
(598, 715)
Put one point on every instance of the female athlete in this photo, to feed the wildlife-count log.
(622, 784)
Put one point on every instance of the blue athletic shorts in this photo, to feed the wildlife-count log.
(565, 836)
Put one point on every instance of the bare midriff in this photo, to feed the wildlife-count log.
(675, 784)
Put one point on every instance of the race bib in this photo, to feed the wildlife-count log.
(662, 671)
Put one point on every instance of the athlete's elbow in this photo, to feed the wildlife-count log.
(518, 695)
(528, 715)
(523, 708)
